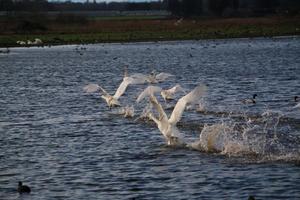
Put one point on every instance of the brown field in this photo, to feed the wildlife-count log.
(149, 29)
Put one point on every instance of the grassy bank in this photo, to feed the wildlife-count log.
(127, 30)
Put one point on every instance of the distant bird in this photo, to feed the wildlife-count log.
(178, 22)
(23, 188)
(250, 101)
(20, 42)
(37, 41)
(168, 126)
(296, 98)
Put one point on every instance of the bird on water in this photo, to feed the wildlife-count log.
(23, 188)
(250, 101)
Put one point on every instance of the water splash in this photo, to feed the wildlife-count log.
(258, 137)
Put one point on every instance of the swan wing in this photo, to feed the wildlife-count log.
(91, 88)
(104, 91)
(176, 88)
(122, 88)
(191, 97)
(158, 107)
(150, 90)
(162, 76)
(139, 76)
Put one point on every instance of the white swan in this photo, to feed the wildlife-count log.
(169, 94)
(168, 126)
(166, 94)
(113, 101)
(153, 77)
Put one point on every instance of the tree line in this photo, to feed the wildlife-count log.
(44, 5)
(232, 7)
(185, 8)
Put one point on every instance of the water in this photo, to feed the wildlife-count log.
(66, 144)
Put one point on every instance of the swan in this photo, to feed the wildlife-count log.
(250, 101)
(167, 126)
(113, 101)
(153, 77)
(167, 94)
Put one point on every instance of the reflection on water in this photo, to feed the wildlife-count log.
(66, 144)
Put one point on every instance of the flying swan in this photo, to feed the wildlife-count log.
(167, 94)
(113, 101)
(153, 77)
(168, 126)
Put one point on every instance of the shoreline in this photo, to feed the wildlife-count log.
(151, 42)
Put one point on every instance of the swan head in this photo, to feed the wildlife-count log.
(255, 95)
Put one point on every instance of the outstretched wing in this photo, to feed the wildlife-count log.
(162, 76)
(91, 88)
(150, 90)
(176, 88)
(143, 78)
(158, 107)
(122, 88)
(191, 97)
(126, 81)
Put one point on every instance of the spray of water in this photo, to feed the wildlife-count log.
(257, 137)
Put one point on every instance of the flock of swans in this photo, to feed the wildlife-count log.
(167, 126)
(155, 112)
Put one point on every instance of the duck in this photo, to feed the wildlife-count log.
(250, 101)
(23, 188)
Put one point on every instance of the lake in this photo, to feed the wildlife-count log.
(66, 144)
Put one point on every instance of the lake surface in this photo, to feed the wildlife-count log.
(66, 144)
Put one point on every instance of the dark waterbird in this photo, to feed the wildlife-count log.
(296, 98)
(23, 188)
(250, 101)
(251, 197)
